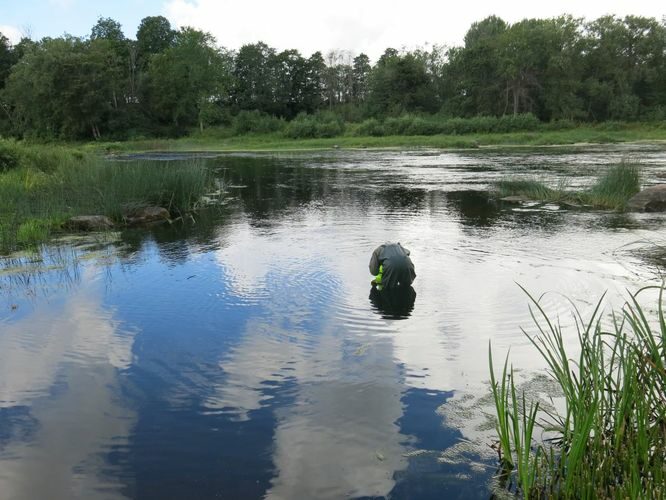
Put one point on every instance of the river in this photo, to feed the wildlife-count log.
(243, 354)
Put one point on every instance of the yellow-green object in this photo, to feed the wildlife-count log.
(378, 278)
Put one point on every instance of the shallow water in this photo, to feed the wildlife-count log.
(243, 355)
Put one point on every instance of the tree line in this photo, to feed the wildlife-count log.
(167, 81)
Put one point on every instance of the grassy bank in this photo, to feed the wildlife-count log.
(223, 140)
(610, 440)
(42, 186)
(612, 189)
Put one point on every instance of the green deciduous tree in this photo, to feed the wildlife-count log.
(400, 83)
(63, 87)
(253, 78)
(187, 81)
(153, 36)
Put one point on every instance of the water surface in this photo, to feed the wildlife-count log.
(244, 355)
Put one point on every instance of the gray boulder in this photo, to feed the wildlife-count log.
(652, 199)
(147, 215)
(89, 223)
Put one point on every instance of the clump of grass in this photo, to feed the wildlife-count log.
(611, 190)
(109, 187)
(611, 437)
(527, 188)
(33, 231)
(615, 187)
(48, 186)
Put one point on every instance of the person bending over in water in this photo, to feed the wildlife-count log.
(391, 265)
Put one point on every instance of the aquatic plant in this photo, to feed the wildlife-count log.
(528, 188)
(610, 440)
(612, 189)
(52, 184)
(615, 187)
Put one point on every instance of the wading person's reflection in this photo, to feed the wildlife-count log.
(394, 303)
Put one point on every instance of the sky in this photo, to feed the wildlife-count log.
(368, 26)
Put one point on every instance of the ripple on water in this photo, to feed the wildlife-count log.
(264, 315)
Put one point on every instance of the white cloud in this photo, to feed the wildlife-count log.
(371, 25)
(12, 33)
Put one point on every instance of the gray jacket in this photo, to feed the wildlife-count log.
(398, 268)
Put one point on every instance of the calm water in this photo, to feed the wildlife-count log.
(244, 356)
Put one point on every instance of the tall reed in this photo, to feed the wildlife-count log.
(611, 437)
(47, 187)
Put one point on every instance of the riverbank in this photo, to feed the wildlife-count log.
(220, 140)
(42, 186)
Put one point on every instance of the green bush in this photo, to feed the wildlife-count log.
(409, 124)
(9, 156)
(510, 123)
(319, 125)
(611, 126)
(398, 125)
(370, 127)
(561, 124)
(257, 122)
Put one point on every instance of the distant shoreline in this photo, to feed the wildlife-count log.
(213, 141)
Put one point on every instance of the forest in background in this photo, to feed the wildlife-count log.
(169, 82)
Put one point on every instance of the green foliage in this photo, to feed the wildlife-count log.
(401, 83)
(610, 439)
(370, 127)
(615, 187)
(8, 57)
(33, 231)
(108, 188)
(65, 88)
(185, 80)
(410, 124)
(315, 126)
(52, 184)
(256, 122)
(562, 124)
(612, 189)
(505, 78)
(9, 155)
(530, 189)
(153, 36)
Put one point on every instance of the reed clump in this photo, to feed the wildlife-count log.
(44, 186)
(610, 439)
(612, 189)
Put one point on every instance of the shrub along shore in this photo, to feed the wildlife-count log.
(254, 131)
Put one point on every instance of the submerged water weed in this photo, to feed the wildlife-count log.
(610, 439)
